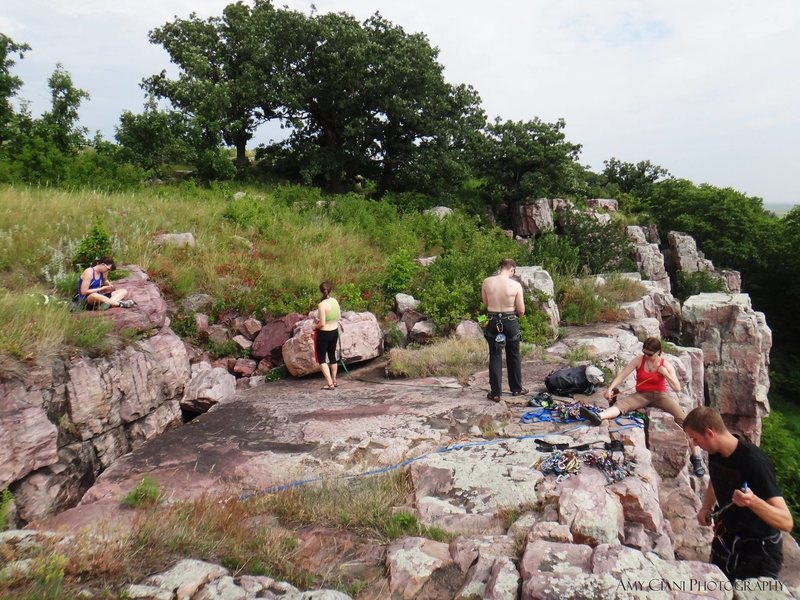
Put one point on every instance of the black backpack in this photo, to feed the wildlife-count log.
(568, 381)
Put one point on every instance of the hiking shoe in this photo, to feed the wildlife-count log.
(522, 392)
(697, 465)
(590, 415)
(126, 303)
(493, 397)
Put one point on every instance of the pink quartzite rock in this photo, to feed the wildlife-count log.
(735, 341)
(106, 392)
(245, 367)
(29, 438)
(411, 562)
(593, 515)
(532, 217)
(273, 336)
(250, 328)
(360, 336)
(208, 386)
(608, 204)
(150, 311)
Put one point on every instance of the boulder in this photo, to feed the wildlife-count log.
(207, 387)
(539, 285)
(250, 328)
(684, 255)
(197, 303)
(178, 240)
(411, 562)
(201, 324)
(149, 313)
(607, 204)
(440, 212)
(593, 515)
(422, 332)
(219, 334)
(648, 258)
(468, 329)
(245, 367)
(360, 338)
(405, 302)
(242, 342)
(272, 337)
(426, 260)
(532, 217)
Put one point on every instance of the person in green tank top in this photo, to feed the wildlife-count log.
(326, 335)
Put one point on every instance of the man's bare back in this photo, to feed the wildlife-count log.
(503, 294)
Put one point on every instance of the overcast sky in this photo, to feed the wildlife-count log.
(709, 90)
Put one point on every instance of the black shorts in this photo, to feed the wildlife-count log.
(325, 345)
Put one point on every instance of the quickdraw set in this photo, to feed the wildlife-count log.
(564, 463)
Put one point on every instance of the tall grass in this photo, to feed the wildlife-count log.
(34, 333)
(583, 301)
(451, 357)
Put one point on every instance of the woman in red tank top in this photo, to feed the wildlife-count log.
(653, 374)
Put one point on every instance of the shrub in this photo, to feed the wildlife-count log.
(690, 284)
(401, 268)
(601, 247)
(146, 493)
(534, 327)
(94, 245)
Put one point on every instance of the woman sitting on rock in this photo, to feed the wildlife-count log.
(652, 376)
(326, 335)
(96, 291)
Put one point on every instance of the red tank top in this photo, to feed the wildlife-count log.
(650, 382)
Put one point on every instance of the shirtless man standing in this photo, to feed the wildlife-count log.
(504, 301)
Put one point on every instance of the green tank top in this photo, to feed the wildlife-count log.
(333, 310)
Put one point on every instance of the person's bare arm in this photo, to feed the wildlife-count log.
(704, 514)
(622, 376)
(321, 316)
(483, 295)
(668, 371)
(773, 512)
(519, 301)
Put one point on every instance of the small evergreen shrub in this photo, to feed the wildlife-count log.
(94, 245)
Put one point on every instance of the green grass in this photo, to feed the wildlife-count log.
(583, 301)
(6, 498)
(34, 333)
(146, 493)
(450, 357)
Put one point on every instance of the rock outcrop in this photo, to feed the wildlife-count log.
(64, 424)
(532, 217)
(735, 341)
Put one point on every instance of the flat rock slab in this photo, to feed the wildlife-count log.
(293, 430)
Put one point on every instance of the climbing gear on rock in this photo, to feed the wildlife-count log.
(565, 412)
(540, 399)
(614, 470)
(559, 463)
(568, 462)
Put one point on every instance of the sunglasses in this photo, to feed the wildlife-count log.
(646, 353)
